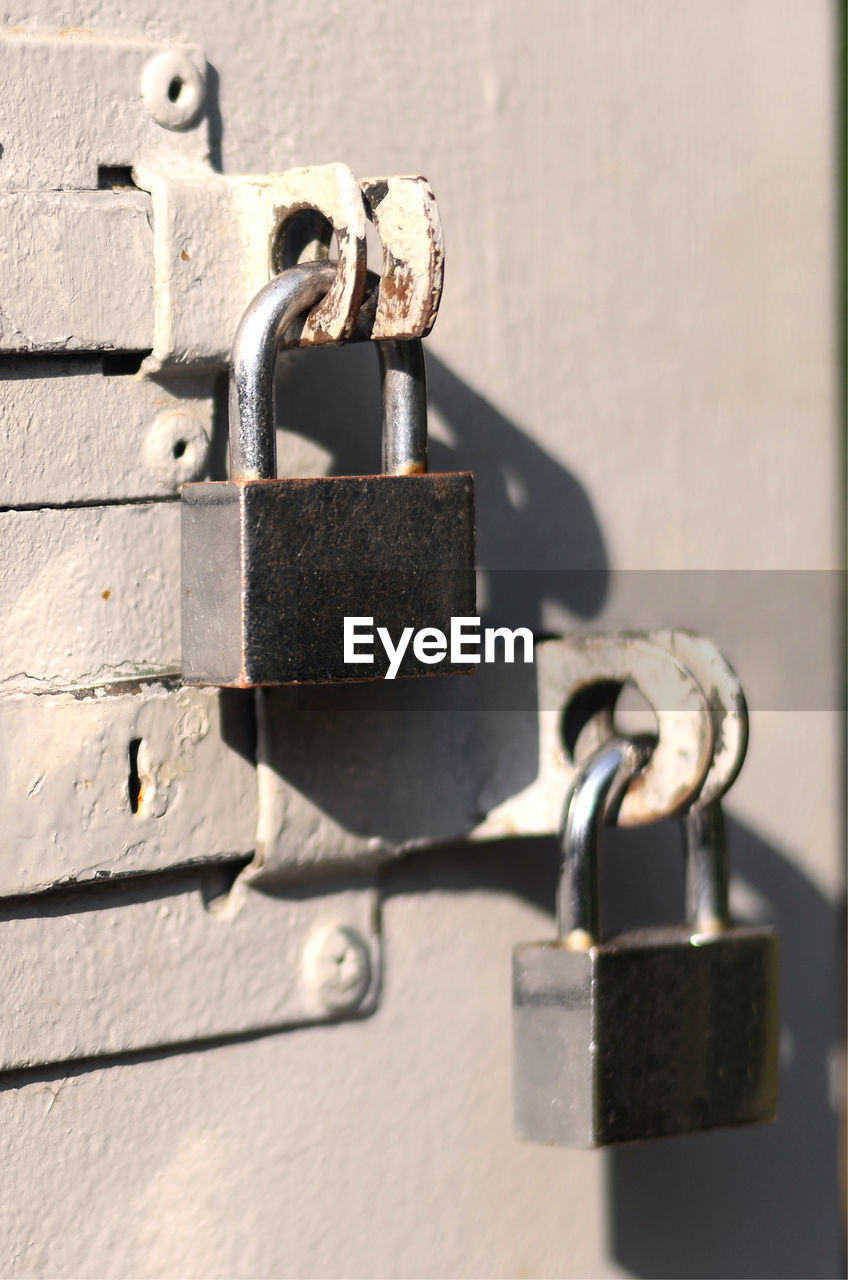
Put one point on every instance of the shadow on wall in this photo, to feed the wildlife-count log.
(758, 1201)
(537, 530)
(747, 1202)
(340, 745)
(737, 1203)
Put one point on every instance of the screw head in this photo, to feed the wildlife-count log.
(337, 967)
(173, 90)
(177, 447)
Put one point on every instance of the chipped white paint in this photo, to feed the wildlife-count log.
(214, 238)
(347, 777)
(123, 783)
(335, 193)
(77, 271)
(340, 773)
(217, 240)
(172, 264)
(404, 212)
(75, 611)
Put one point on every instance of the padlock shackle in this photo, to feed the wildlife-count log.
(258, 340)
(597, 787)
(706, 869)
(404, 402)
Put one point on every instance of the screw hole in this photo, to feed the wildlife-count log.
(175, 88)
(134, 781)
(179, 448)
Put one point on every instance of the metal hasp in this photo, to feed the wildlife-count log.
(272, 567)
(654, 1032)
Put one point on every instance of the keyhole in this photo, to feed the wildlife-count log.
(134, 781)
(175, 88)
(179, 448)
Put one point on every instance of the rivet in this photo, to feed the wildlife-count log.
(177, 447)
(337, 967)
(173, 89)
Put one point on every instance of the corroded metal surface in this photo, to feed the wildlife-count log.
(644, 1036)
(654, 1032)
(406, 217)
(576, 665)
(271, 569)
(189, 245)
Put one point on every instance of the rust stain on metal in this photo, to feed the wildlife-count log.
(333, 192)
(316, 550)
(403, 211)
(396, 286)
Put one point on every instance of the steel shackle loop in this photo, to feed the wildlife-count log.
(598, 785)
(705, 868)
(258, 340)
(253, 442)
(403, 377)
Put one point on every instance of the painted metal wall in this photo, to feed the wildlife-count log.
(638, 354)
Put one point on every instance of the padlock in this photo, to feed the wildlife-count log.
(654, 1032)
(271, 568)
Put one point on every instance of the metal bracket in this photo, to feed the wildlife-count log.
(179, 966)
(116, 235)
(349, 777)
(126, 262)
(218, 239)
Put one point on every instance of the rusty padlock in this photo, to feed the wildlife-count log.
(271, 568)
(653, 1032)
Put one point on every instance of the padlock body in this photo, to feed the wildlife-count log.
(653, 1033)
(271, 568)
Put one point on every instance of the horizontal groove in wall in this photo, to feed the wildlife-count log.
(60, 363)
(92, 502)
